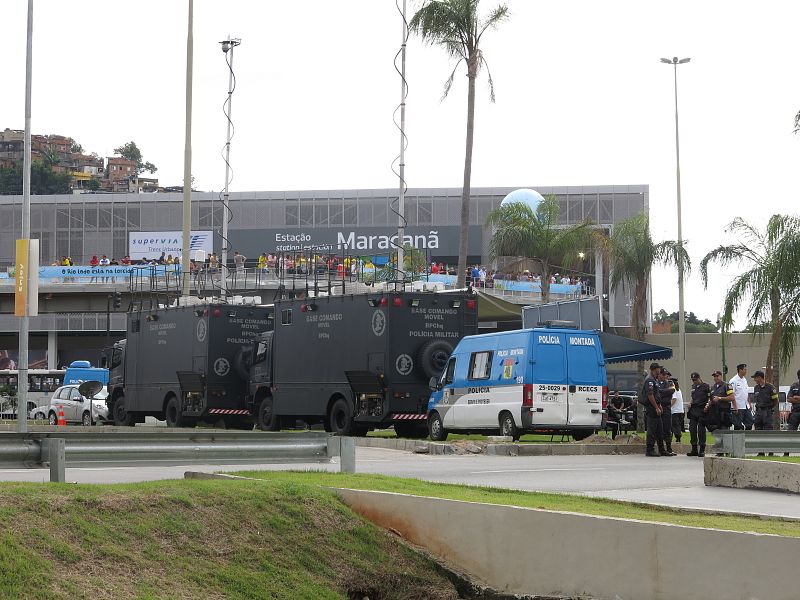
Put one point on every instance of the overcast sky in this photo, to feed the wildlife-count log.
(581, 100)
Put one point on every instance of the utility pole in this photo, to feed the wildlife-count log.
(675, 61)
(227, 45)
(187, 161)
(401, 203)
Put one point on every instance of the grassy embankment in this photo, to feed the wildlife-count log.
(200, 539)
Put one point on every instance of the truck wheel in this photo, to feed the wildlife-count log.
(411, 430)
(122, 418)
(340, 417)
(507, 426)
(436, 428)
(172, 415)
(433, 357)
(580, 434)
(267, 420)
(86, 420)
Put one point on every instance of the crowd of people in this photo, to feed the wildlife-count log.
(713, 406)
(479, 276)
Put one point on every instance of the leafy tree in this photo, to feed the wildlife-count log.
(455, 26)
(50, 157)
(632, 254)
(130, 151)
(693, 323)
(75, 147)
(769, 286)
(522, 232)
(43, 180)
(93, 184)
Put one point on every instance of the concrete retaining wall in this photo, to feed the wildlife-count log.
(538, 552)
(749, 473)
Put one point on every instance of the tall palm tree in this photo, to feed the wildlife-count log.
(770, 285)
(522, 232)
(455, 26)
(632, 254)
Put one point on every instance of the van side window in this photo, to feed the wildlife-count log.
(449, 372)
(286, 316)
(480, 365)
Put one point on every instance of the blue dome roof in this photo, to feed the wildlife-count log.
(530, 197)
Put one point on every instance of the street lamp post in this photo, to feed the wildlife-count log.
(675, 61)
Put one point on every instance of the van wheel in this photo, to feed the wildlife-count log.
(86, 420)
(340, 417)
(267, 421)
(507, 426)
(52, 419)
(433, 357)
(580, 434)
(172, 415)
(436, 428)
(122, 418)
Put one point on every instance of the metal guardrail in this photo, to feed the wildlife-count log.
(740, 443)
(122, 446)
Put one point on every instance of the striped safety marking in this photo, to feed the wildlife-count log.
(228, 411)
(408, 416)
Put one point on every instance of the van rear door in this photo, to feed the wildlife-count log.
(549, 378)
(586, 379)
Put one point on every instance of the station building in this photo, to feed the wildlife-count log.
(361, 221)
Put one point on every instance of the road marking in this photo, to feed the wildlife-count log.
(538, 470)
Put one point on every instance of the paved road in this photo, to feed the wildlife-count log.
(674, 481)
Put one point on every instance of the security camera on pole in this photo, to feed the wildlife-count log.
(227, 46)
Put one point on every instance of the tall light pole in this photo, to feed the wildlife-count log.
(401, 202)
(227, 46)
(675, 61)
(187, 158)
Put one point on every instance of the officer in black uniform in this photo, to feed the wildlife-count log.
(701, 392)
(718, 410)
(765, 397)
(794, 399)
(649, 398)
(666, 390)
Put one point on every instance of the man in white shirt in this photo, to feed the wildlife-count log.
(741, 415)
(677, 412)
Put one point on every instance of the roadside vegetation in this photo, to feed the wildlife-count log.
(560, 502)
(181, 539)
(793, 459)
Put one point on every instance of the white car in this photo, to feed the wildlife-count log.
(76, 407)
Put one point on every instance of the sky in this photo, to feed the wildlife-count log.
(582, 99)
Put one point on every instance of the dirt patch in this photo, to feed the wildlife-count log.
(625, 439)
(468, 446)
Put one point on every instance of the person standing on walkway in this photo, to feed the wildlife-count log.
(742, 417)
(649, 399)
(677, 412)
(765, 397)
(794, 399)
(238, 261)
(666, 390)
(701, 393)
(719, 411)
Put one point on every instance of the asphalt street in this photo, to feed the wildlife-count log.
(676, 481)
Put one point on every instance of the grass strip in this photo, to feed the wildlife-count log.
(560, 502)
(789, 459)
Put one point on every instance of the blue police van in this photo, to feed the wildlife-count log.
(543, 379)
(82, 370)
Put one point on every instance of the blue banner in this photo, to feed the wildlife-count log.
(116, 271)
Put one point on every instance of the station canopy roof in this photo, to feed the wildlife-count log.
(616, 348)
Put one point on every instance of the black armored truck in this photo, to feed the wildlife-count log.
(356, 362)
(185, 364)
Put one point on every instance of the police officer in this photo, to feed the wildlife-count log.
(666, 390)
(718, 410)
(794, 399)
(765, 397)
(701, 393)
(649, 399)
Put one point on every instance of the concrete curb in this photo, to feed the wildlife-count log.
(551, 553)
(751, 474)
(510, 449)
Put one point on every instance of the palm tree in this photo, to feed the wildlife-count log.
(770, 287)
(522, 232)
(455, 26)
(632, 254)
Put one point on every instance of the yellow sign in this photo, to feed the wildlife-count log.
(21, 279)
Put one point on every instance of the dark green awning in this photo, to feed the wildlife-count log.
(619, 349)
